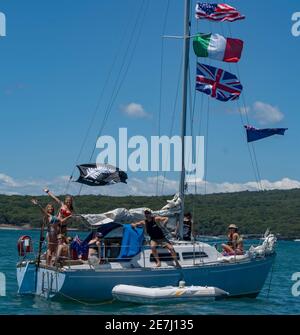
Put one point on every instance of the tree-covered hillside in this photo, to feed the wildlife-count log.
(253, 212)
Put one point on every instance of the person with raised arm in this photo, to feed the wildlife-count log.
(53, 223)
(157, 236)
(65, 212)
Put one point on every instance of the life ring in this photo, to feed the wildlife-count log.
(24, 245)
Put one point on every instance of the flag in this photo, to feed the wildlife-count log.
(254, 134)
(100, 175)
(217, 12)
(217, 47)
(217, 83)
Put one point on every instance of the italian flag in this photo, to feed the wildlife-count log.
(217, 47)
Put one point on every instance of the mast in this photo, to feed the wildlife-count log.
(186, 52)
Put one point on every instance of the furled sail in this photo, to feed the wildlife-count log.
(100, 175)
(123, 215)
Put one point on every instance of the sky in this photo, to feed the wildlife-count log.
(68, 65)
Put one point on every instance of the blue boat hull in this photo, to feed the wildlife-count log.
(238, 279)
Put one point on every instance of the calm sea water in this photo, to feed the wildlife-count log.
(275, 298)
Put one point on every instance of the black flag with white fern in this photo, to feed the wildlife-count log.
(100, 175)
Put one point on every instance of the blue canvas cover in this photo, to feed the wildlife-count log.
(132, 242)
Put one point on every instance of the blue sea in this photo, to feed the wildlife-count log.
(275, 298)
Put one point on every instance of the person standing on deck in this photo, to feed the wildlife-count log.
(53, 223)
(66, 210)
(157, 237)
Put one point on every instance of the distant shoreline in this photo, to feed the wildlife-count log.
(25, 227)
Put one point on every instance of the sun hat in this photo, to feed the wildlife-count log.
(232, 226)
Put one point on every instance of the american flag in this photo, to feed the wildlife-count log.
(217, 12)
(217, 83)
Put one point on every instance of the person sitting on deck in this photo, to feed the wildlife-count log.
(65, 212)
(94, 246)
(234, 245)
(157, 237)
(62, 249)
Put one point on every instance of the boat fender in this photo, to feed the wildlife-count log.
(24, 245)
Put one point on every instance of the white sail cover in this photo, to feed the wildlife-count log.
(123, 215)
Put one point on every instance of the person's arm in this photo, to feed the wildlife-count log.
(36, 203)
(51, 195)
(235, 240)
(162, 220)
(136, 224)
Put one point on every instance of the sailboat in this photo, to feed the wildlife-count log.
(201, 263)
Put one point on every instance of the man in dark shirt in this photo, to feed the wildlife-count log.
(157, 237)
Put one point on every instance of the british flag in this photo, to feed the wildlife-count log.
(217, 83)
(217, 12)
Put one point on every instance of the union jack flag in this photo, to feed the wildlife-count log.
(217, 83)
(217, 12)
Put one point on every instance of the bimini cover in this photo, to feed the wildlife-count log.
(132, 242)
(123, 215)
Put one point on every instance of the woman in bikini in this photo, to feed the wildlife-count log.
(53, 228)
(65, 212)
(234, 246)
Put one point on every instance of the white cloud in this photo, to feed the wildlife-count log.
(265, 113)
(135, 110)
(139, 187)
(262, 112)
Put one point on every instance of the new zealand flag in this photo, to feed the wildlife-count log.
(254, 134)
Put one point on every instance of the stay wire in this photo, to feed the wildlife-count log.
(251, 147)
(121, 81)
(161, 78)
(98, 104)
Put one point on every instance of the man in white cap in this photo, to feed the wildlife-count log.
(234, 245)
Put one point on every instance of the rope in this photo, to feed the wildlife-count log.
(271, 277)
(84, 302)
(119, 81)
(98, 104)
(251, 148)
(161, 79)
(173, 117)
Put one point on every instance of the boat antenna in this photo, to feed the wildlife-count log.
(186, 52)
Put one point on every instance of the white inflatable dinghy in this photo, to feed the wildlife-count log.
(150, 295)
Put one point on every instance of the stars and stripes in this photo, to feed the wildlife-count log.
(217, 83)
(217, 12)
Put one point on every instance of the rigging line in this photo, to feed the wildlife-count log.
(256, 175)
(161, 78)
(99, 102)
(206, 152)
(117, 86)
(193, 107)
(250, 147)
(125, 73)
(94, 114)
(173, 117)
(117, 89)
